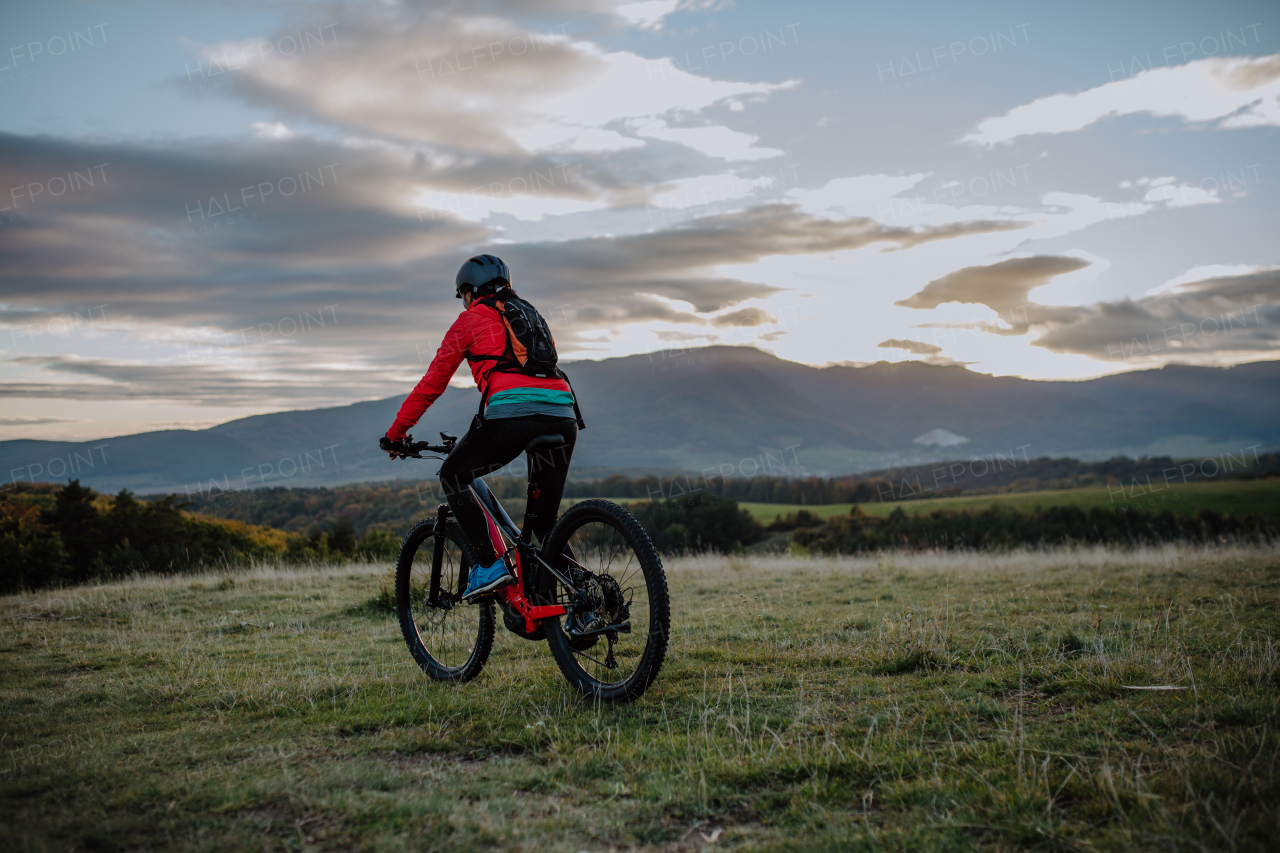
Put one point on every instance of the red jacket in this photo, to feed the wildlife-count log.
(479, 330)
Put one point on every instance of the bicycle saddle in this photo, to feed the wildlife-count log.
(545, 442)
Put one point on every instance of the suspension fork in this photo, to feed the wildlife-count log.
(437, 558)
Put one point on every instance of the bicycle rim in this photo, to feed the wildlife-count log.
(451, 641)
(604, 539)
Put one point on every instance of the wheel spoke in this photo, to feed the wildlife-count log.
(599, 545)
(454, 640)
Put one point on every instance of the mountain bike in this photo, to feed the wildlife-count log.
(594, 590)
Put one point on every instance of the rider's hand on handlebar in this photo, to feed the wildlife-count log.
(396, 449)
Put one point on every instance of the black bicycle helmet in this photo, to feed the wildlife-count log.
(479, 271)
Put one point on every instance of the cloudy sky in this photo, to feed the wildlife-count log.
(209, 210)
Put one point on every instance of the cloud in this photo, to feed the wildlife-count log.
(1212, 321)
(902, 200)
(696, 194)
(1201, 273)
(917, 347)
(1227, 92)
(743, 318)
(855, 195)
(217, 254)
(1003, 287)
(198, 384)
(272, 130)
(25, 422)
(1174, 194)
(163, 212)
(647, 15)
(932, 352)
(679, 263)
(1253, 75)
(1215, 320)
(481, 85)
(714, 140)
(1058, 213)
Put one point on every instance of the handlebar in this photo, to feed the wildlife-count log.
(415, 448)
(419, 446)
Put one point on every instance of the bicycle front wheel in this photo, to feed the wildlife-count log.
(611, 646)
(449, 640)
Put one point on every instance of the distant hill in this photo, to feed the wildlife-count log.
(736, 410)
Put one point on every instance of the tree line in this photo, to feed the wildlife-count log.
(394, 506)
(708, 523)
(992, 474)
(1000, 528)
(51, 536)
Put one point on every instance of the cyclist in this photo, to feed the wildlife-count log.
(517, 408)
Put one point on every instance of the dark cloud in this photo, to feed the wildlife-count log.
(1198, 322)
(678, 263)
(1003, 287)
(200, 384)
(331, 274)
(229, 236)
(215, 234)
(1210, 321)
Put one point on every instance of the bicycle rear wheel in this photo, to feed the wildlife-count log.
(449, 640)
(612, 648)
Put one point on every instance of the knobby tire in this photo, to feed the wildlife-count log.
(440, 652)
(616, 531)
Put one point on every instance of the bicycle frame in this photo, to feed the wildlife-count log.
(510, 544)
(580, 553)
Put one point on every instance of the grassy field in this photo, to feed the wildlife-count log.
(1237, 497)
(907, 702)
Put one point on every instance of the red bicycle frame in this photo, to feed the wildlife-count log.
(502, 530)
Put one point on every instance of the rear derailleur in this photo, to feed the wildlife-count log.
(601, 608)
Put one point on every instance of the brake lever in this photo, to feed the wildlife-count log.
(406, 441)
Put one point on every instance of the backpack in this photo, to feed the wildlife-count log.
(529, 342)
(530, 349)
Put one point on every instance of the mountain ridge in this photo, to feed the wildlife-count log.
(715, 407)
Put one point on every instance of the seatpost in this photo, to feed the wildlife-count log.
(526, 534)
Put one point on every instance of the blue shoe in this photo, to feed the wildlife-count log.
(486, 579)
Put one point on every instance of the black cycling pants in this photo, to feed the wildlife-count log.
(498, 442)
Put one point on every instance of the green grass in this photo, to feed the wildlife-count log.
(768, 513)
(956, 702)
(1237, 497)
